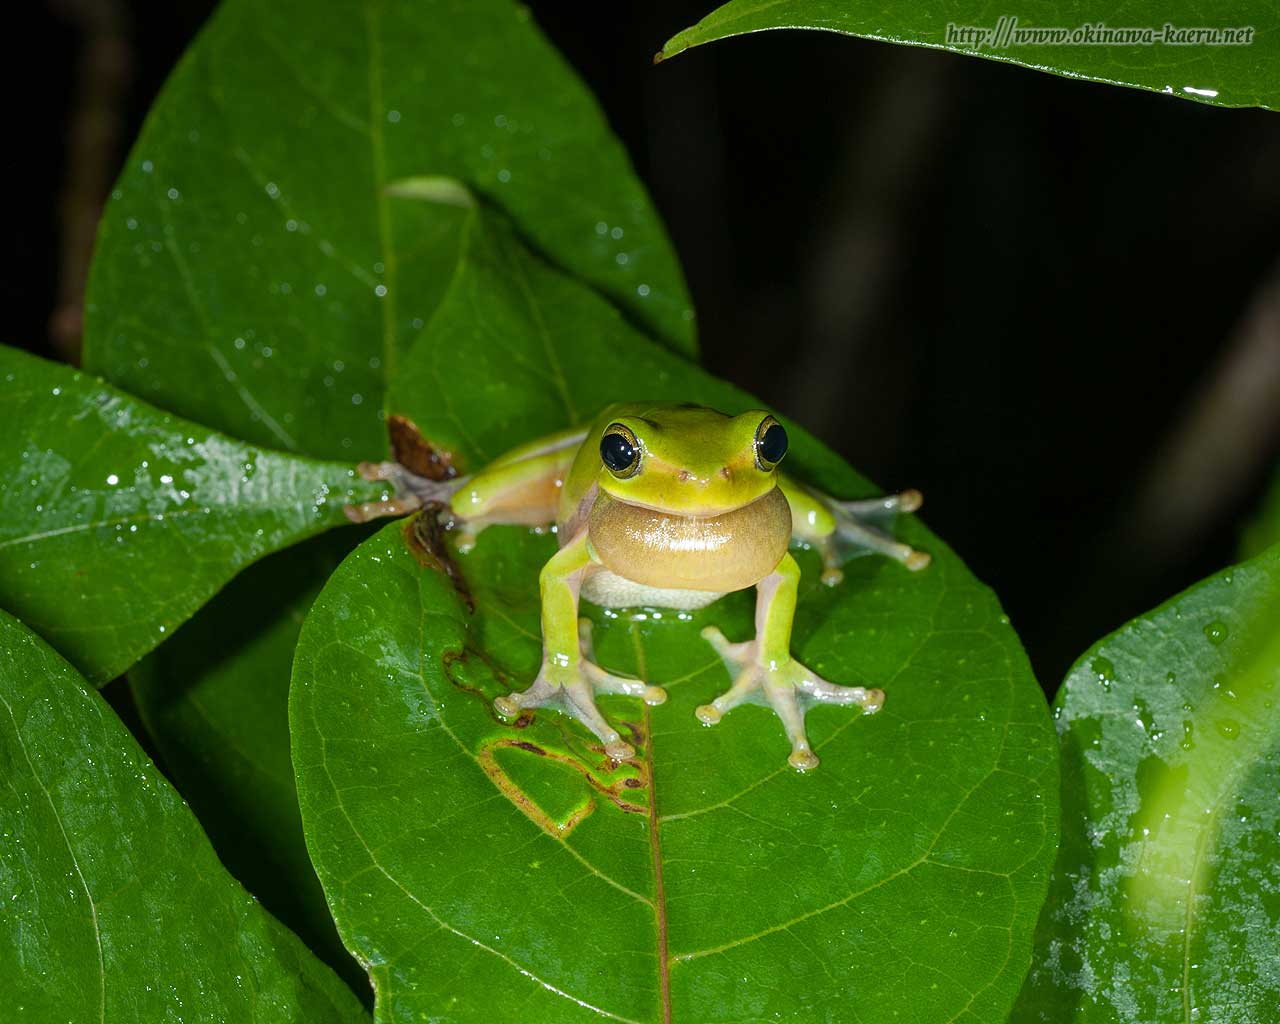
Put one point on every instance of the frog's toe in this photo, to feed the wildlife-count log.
(819, 691)
(737, 654)
(886, 505)
(580, 702)
(607, 682)
(917, 560)
(910, 500)
(368, 511)
(542, 692)
(803, 759)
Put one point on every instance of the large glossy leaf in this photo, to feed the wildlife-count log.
(1162, 58)
(255, 270)
(1165, 903)
(214, 698)
(494, 872)
(117, 520)
(115, 907)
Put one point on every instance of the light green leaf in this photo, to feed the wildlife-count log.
(115, 907)
(117, 520)
(254, 269)
(1165, 903)
(1161, 58)
(214, 698)
(485, 870)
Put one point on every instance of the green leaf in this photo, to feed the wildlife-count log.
(117, 520)
(214, 697)
(477, 866)
(1165, 901)
(1240, 75)
(254, 269)
(115, 907)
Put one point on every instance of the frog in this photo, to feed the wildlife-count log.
(664, 505)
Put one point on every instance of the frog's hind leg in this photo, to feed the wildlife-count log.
(834, 526)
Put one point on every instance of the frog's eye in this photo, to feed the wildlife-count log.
(620, 451)
(771, 443)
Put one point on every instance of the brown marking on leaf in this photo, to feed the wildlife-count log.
(524, 803)
(578, 816)
(634, 733)
(416, 453)
(424, 537)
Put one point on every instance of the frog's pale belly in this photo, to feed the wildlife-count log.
(652, 557)
(612, 591)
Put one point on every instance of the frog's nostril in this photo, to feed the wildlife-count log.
(684, 475)
(726, 473)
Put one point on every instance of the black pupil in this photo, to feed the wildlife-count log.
(774, 444)
(617, 453)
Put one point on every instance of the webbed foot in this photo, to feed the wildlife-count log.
(412, 491)
(571, 689)
(854, 529)
(788, 686)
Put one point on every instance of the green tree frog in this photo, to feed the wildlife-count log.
(670, 506)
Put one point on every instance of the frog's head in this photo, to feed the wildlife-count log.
(688, 460)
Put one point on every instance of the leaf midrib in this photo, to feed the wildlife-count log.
(75, 861)
(655, 840)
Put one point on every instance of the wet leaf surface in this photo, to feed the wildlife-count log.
(1165, 903)
(1227, 75)
(117, 520)
(485, 869)
(256, 269)
(116, 908)
(214, 698)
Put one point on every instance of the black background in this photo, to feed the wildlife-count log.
(1008, 289)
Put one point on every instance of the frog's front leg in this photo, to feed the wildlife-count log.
(520, 488)
(828, 524)
(569, 679)
(764, 667)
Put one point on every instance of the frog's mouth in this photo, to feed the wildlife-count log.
(687, 499)
(721, 552)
